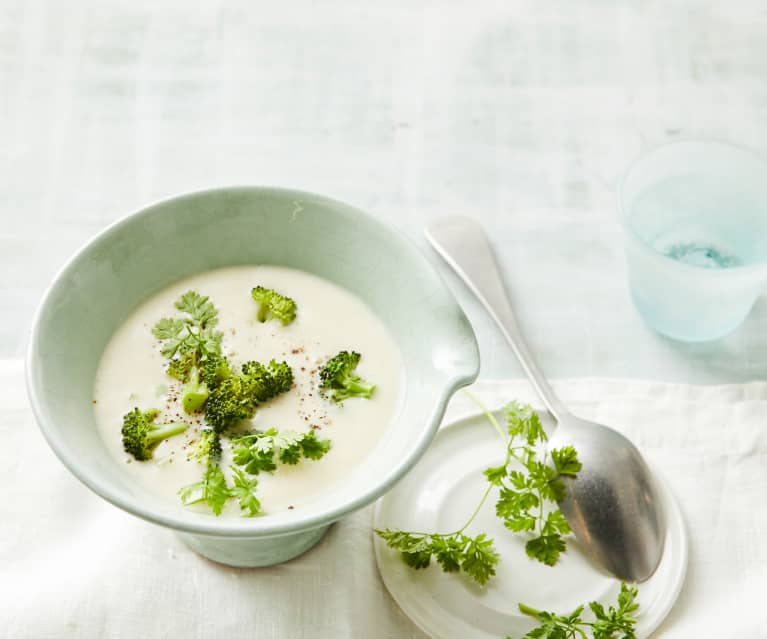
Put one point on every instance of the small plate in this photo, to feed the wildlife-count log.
(440, 493)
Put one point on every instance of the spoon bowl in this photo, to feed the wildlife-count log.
(612, 505)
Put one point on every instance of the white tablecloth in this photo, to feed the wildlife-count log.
(72, 565)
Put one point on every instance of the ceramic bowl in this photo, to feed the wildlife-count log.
(175, 238)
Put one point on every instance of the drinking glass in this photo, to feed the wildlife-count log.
(695, 220)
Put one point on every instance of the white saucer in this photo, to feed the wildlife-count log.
(440, 493)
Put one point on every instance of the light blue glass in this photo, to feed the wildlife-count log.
(695, 217)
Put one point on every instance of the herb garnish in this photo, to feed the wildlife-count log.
(526, 482)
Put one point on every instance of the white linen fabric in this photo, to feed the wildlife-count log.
(72, 565)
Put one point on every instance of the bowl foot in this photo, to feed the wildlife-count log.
(251, 552)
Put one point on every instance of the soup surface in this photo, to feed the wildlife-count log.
(132, 373)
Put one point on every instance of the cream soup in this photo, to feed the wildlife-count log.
(329, 319)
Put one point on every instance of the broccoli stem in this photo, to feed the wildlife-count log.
(356, 386)
(528, 610)
(195, 394)
(167, 430)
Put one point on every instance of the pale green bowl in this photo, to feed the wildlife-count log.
(148, 250)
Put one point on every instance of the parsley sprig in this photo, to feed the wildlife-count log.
(454, 552)
(211, 489)
(214, 490)
(529, 478)
(619, 620)
(527, 482)
(253, 453)
(189, 340)
(260, 451)
(244, 491)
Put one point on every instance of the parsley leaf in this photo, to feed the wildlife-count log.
(187, 341)
(212, 489)
(168, 328)
(496, 474)
(527, 482)
(546, 548)
(259, 451)
(312, 447)
(554, 523)
(481, 558)
(614, 623)
(565, 461)
(199, 308)
(523, 422)
(254, 460)
(244, 490)
(215, 492)
(291, 455)
(476, 556)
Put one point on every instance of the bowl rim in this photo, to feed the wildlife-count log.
(231, 526)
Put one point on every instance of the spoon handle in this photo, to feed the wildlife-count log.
(464, 246)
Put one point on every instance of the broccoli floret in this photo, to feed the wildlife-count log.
(282, 378)
(212, 369)
(215, 370)
(265, 382)
(141, 435)
(196, 392)
(182, 366)
(338, 380)
(199, 378)
(229, 403)
(208, 446)
(236, 397)
(273, 305)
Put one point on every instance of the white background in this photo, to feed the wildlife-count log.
(522, 114)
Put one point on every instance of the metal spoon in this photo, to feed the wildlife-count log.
(612, 505)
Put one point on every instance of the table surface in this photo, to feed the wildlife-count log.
(522, 115)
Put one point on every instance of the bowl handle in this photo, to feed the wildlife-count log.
(457, 357)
